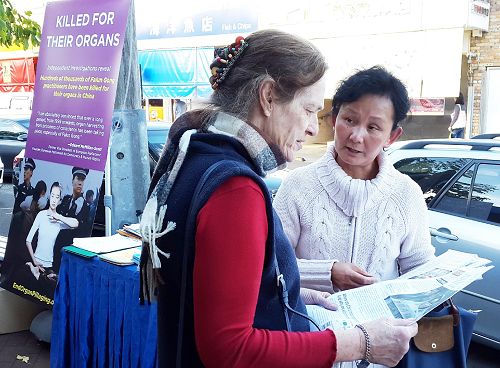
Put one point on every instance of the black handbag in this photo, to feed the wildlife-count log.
(443, 339)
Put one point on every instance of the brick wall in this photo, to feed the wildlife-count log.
(487, 47)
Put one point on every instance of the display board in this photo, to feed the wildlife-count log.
(56, 199)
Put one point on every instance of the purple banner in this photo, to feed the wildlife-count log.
(76, 79)
(60, 182)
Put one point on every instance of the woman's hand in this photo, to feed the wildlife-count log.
(39, 265)
(389, 339)
(310, 296)
(54, 217)
(349, 276)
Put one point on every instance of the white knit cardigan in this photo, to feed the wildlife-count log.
(381, 225)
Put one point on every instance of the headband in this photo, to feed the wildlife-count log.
(224, 58)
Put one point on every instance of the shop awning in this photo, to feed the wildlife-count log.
(176, 73)
(17, 75)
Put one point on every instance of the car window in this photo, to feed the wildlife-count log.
(156, 141)
(156, 149)
(24, 122)
(455, 199)
(485, 199)
(430, 173)
(484, 193)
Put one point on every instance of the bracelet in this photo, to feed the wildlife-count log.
(366, 361)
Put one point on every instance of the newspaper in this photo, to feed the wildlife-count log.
(412, 295)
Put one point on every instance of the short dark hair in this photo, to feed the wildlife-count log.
(40, 188)
(89, 193)
(292, 62)
(373, 81)
(56, 184)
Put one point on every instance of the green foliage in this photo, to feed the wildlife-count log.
(17, 29)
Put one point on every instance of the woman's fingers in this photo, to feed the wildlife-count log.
(390, 339)
(320, 298)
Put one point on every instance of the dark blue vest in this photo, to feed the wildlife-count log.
(204, 151)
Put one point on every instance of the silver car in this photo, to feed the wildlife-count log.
(1, 172)
(460, 180)
(13, 135)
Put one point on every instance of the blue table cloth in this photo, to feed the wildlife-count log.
(97, 319)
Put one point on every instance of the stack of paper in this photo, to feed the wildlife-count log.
(121, 257)
(133, 231)
(106, 244)
(137, 257)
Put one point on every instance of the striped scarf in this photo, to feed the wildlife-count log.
(267, 158)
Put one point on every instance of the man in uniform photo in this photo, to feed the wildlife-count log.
(15, 252)
(24, 189)
(72, 205)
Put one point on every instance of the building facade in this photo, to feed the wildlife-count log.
(437, 47)
(426, 43)
(483, 75)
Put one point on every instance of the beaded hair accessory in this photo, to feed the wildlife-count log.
(224, 58)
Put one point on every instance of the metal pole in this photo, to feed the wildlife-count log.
(128, 155)
(470, 111)
(107, 196)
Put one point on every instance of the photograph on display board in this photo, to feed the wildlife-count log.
(54, 203)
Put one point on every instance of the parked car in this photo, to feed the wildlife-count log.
(1, 172)
(157, 137)
(460, 180)
(13, 135)
(487, 136)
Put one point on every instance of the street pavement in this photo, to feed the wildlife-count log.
(6, 203)
(3, 243)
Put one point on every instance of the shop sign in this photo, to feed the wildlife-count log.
(427, 106)
(207, 23)
(479, 14)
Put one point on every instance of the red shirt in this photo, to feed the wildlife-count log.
(230, 246)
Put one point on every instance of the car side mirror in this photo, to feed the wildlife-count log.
(22, 137)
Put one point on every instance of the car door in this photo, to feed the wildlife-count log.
(12, 141)
(465, 216)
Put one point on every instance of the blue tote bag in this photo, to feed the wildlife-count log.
(443, 339)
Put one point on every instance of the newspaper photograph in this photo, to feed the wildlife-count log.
(412, 295)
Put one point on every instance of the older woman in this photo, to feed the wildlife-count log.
(213, 243)
(351, 217)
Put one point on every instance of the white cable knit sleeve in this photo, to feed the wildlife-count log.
(287, 208)
(316, 274)
(290, 203)
(416, 247)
